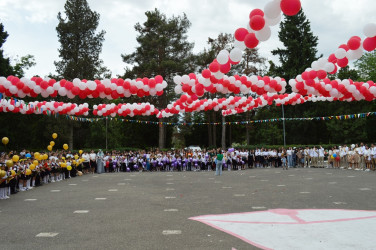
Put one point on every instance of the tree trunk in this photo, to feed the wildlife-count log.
(210, 133)
(223, 133)
(70, 141)
(162, 141)
(214, 130)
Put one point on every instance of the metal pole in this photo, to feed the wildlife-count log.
(106, 133)
(284, 130)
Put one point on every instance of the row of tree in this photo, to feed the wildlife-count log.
(164, 49)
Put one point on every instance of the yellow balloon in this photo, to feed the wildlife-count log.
(49, 147)
(69, 168)
(35, 162)
(76, 157)
(45, 157)
(65, 146)
(5, 140)
(28, 172)
(54, 135)
(15, 158)
(9, 163)
(2, 173)
(32, 166)
(80, 152)
(36, 155)
(63, 158)
(63, 165)
(52, 143)
(13, 173)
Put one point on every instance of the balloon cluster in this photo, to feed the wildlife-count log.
(43, 107)
(144, 109)
(107, 88)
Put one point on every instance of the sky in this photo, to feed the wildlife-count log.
(31, 25)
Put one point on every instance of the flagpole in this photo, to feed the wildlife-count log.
(106, 133)
(284, 128)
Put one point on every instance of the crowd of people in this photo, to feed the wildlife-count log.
(22, 171)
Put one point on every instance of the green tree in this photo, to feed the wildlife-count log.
(5, 66)
(366, 66)
(163, 50)
(22, 64)
(80, 45)
(300, 47)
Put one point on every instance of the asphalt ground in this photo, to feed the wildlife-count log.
(151, 210)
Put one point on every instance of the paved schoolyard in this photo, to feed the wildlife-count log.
(152, 210)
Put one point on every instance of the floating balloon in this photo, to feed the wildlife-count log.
(52, 143)
(35, 162)
(65, 147)
(49, 148)
(28, 172)
(80, 151)
(54, 136)
(15, 158)
(5, 140)
(69, 168)
(32, 166)
(290, 7)
(9, 163)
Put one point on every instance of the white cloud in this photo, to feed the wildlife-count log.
(31, 25)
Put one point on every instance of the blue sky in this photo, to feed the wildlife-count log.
(31, 25)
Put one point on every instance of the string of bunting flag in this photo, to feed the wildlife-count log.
(324, 118)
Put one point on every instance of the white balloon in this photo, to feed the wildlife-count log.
(219, 87)
(355, 54)
(329, 67)
(253, 79)
(70, 95)
(158, 87)
(164, 84)
(321, 62)
(340, 53)
(274, 21)
(264, 34)
(37, 89)
(50, 90)
(328, 87)
(240, 45)
(373, 90)
(236, 55)
(152, 92)
(120, 90)
(260, 84)
(177, 79)
(76, 81)
(146, 88)
(315, 65)
(272, 9)
(21, 94)
(185, 79)
(222, 57)
(13, 89)
(369, 30)
(218, 75)
(178, 89)
(56, 86)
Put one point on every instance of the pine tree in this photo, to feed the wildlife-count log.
(163, 50)
(5, 66)
(300, 47)
(80, 44)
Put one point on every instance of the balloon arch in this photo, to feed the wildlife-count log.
(312, 85)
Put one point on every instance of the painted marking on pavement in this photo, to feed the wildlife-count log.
(100, 199)
(50, 234)
(239, 195)
(332, 183)
(281, 185)
(127, 179)
(170, 197)
(121, 184)
(30, 199)
(258, 208)
(351, 176)
(226, 187)
(309, 178)
(339, 203)
(364, 189)
(264, 180)
(81, 212)
(85, 180)
(72, 184)
(171, 210)
(169, 175)
(170, 232)
(112, 190)
(170, 183)
(291, 175)
(55, 191)
(329, 173)
(305, 192)
(95, 176)
(211, 178)
(170, 189)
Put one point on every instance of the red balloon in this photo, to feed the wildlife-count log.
(225, 68)
(312, 74)
(107, 91)
(332, 58)
(343, 62)
(152, 83)
(257, 22)
(133, 89)
(186, 88)
(44, 85)
(206, 73)
(251, 41)
(75, 90)
(68, 85)
(240, 34)
(354, 43)
(214, 67)
(158, 79)
(256, 12)
(20, 85)
(160, 93)
(290, 7)
(100, 88)
(369, 43)
(192, 76)
(321, 74)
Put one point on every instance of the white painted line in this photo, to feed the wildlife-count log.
(217, 182)
(226, 187)
(30, 199)
(112, 190)
(281, 185)
(291, 175)
(277, 172)
(169, 175)
(55, 191)
(170, 232)
(332, 183)
(170, 197)
(72, 184)
(171, 210)
(339, 203)
(127, 179)
(170, 183)
(239, 195)
(258, 207)
(132, 175)
(85, 180)
(170, 189)
(364, 189)
(81, 212)
(121, 184)
(252, 176)
(211, 178)
(351, 176)
(95, 176)
(329, 173)
(264, 180)
(305, 192)
(46, 234)
(100, 199)
(309, 178)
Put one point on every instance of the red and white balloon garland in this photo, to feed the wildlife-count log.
(110, 89)
(125, 109)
